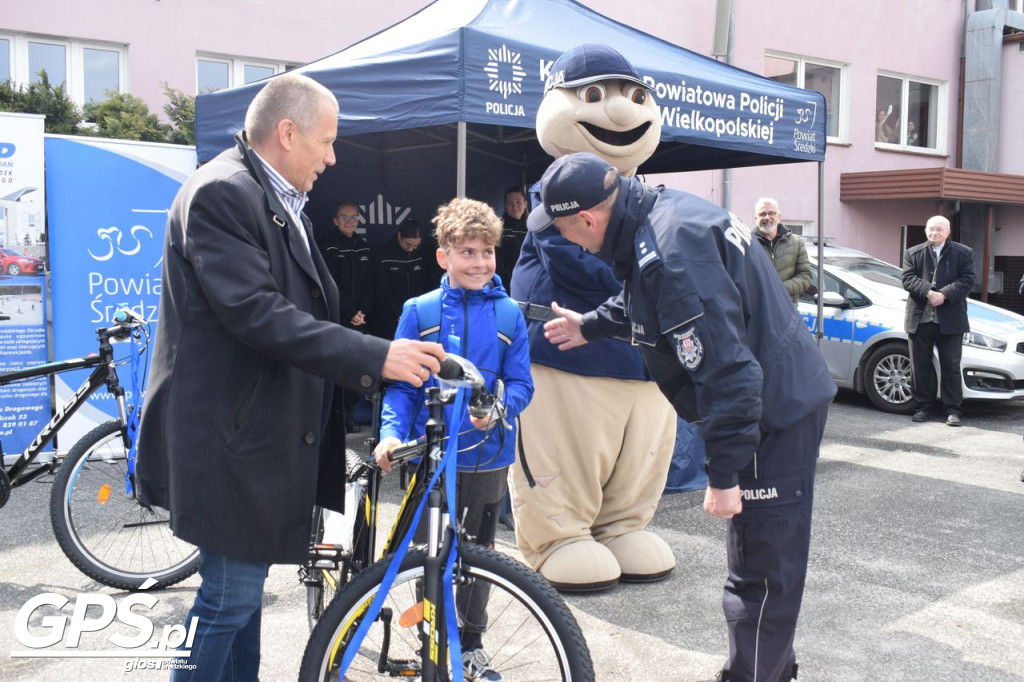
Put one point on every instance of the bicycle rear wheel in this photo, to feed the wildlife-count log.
(530, 633)
(349, 535)
(108, 535)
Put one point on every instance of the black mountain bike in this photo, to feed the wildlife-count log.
(95, 512)
(367, 634)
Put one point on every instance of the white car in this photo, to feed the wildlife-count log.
(866, 347)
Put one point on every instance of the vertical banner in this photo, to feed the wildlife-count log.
(25, 405)
(107, 206)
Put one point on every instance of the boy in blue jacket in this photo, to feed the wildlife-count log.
(467, 233)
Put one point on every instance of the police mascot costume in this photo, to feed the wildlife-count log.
(597, 439)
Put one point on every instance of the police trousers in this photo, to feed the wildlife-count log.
(768, 546)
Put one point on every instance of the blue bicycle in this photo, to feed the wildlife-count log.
(95, 512)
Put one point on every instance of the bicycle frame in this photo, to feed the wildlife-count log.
(104, 373)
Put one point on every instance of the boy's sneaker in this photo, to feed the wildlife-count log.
(476, 665)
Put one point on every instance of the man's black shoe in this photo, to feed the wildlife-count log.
(921, 416)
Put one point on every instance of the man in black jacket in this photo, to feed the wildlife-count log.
(938, 275)
(245, 355)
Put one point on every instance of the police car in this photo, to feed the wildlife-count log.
(866, 347)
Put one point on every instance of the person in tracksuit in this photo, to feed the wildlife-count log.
(725, 344)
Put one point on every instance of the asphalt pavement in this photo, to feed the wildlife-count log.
(916, 573)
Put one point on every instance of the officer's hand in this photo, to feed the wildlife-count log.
(565, 332)
(723, 503)
(412, 361)
(382, 453)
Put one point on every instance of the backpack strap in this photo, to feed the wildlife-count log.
(428, 312)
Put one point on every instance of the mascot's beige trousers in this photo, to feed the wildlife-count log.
(599, 450)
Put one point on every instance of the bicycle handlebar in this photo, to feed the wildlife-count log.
(125, 320)
(457, 371)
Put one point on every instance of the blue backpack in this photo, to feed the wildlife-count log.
(428, 309)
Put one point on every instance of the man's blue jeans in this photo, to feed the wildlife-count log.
(228, 604)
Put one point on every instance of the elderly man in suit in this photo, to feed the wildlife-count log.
(938, 275)
(245, 356)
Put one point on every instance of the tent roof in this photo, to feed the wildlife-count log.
(485, 62)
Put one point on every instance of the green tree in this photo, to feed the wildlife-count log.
(125, 117)
(181, 111)
(62, 114)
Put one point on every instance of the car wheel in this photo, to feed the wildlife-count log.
(13, 269)
(887, 379)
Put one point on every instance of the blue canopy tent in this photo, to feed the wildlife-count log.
(444, 102)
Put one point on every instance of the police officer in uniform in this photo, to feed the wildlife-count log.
(721, 337)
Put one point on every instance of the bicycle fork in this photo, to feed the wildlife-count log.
(435, 657)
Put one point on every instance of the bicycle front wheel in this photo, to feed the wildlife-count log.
(109, 535)
(527, 631)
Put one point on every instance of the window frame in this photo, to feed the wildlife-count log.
(74, 61)
(843, 106)
(941, 116)
(236, 67)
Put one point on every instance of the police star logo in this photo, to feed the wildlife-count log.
(689, 349)
(504, 71)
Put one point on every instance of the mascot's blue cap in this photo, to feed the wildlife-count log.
(571, 184)
(588, 63)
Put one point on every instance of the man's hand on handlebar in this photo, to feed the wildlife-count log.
(412, 361)
(382, 453)
(565, 332)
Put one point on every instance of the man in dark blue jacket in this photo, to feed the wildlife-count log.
(726, 346)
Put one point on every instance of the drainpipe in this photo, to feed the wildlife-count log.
(723, 34)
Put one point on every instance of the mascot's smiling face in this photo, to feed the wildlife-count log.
(595, 102)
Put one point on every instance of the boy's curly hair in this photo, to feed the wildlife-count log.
(462, 219)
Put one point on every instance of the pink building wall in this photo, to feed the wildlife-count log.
(918, 38)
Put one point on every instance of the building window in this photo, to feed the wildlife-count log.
(51, 57)
(100, 73)
(5, 59)
(909, 113)
(821, 76)
(87, 70)
(216, 73)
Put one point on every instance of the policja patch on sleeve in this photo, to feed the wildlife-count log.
(689, 348)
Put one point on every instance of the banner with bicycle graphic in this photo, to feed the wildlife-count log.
(107, 208)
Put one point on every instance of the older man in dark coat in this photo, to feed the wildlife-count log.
(938, 275)
(245, 354)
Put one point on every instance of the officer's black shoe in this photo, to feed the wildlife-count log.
(921, 416)
(723, 676)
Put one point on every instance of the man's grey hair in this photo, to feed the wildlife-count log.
(292, 96)
(937, 220)
(766, 200)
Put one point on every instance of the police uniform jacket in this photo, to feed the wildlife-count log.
(513, 232)
(399, 276)
(239, 390)
(719, 335)
(954, 278)
(349, 262)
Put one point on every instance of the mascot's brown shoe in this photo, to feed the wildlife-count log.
(582, 566)
(643, 556)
